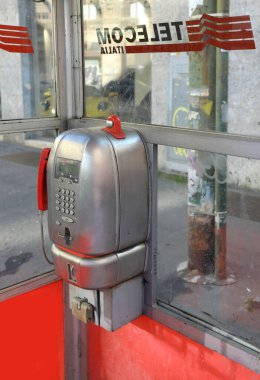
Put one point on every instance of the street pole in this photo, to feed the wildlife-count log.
(201, 180)
(220, 272)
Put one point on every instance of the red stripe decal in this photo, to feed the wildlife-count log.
(12, 27)
(14, 34)
(17, 48)
(193, 22)
(218, 20)
(225, 19)
(232, 45)
(17, 41)
(186, 47)
(221, 27)
(163, 48)
(221, 35)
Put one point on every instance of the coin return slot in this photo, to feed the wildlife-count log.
(67, 236)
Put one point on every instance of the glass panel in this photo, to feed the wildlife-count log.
(27, 88)
(146, 63)
(209, 238)
(20, 249)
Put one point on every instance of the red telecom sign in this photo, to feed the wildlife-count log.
(228, 33)
(15, 39)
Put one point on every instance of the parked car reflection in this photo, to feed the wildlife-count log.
(97, 105)
(122, 94)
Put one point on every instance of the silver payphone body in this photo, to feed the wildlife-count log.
(98, 206)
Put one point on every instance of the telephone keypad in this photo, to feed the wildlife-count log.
(65, 202)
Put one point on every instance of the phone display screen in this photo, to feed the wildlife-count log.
(67, 168)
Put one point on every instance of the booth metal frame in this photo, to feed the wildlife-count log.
(70, 99)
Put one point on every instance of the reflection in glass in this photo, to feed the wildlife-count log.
(20, 249)
(121, 84)
(208, 239)
(27, 79)
(212, 89)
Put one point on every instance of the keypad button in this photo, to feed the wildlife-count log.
(67, 205)
(57, 208)
(72, 212)
(72, 200)
(62, 204)
(57, 195)
(63, 191)
(72, 206)
(67, 192)
(63, 197)
(63, 210)
(58, 189)
(57, 202)
(67, 211)
(72, 193)
(67, 199)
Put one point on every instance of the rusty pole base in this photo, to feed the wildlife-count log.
(196, 277)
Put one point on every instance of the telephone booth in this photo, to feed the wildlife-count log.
(130, 189)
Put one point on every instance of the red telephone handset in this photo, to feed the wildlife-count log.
(42, 180)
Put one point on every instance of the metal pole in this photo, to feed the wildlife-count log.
(75, 342)
(220, 166)
(201, 185)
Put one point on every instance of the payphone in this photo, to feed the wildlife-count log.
(98, 200)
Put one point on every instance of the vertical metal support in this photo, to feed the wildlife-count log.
(75, 342)
(221, 163)
(201, 184)
(60, 63)
(151, 265)
(68, 42)
(77, 56)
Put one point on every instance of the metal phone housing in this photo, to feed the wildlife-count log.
(98, 206)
